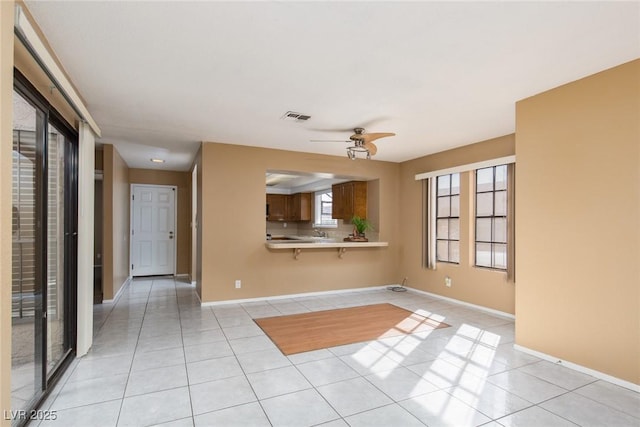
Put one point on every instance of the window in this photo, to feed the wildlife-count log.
(491, 217)
(448, 218)
(323, 204)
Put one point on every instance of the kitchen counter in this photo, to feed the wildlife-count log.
(292, 244)
(300, 243)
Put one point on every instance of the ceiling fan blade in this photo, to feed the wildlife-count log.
(368, 137)
(371, 147)
(333, 130)
(328, 140)
(365, 124)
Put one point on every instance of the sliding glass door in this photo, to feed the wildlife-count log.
(44, 247)
(26, 295)
(58, 147)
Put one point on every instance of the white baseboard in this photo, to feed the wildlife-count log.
(580, 368)
(467, 304)
(549, 358)
(287, 296)
(117, 295)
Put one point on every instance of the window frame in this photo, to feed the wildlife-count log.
(493, 242)
(317, 211)
(450, 218)
(47, 375)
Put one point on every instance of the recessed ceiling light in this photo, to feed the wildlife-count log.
(157, 160)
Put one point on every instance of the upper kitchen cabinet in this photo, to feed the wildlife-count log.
(277, 207)
(300, 207)
(285, 207)
(349, 200)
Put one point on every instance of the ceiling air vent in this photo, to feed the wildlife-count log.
(293, 116)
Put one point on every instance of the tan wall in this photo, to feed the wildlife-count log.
(577, 228)
(488, 288)
(233, 227)
(37, 77)
(115, 193)
(182, 180)
(6, 148)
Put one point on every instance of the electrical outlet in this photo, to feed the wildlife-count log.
(447, 281)
(238, 284)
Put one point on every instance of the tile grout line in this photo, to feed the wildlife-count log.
(135, 349)
(193, 419)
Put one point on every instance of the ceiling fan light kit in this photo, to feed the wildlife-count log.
(363, 143)
(352, 152)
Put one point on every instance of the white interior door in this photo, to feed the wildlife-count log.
(153, 212)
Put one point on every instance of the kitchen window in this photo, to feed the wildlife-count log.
(323, 205)
(448, 218)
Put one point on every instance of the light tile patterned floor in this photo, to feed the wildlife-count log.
(161, 359)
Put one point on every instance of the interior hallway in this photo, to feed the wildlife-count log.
(159, 358)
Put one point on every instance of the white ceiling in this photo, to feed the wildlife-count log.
(160, 77)
(288, 182)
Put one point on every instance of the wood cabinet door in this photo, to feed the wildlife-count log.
(349, 199)
(289, 213)
(302, 202)
(285, 207)
(300, 207)
(337, 204)
(359, 199)
(277, 207)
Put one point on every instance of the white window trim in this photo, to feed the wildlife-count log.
(468, 167)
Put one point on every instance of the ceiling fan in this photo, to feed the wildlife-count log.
(362, 142)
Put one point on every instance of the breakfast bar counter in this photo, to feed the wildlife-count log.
(298, 245)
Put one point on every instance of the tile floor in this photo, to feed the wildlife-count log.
(161, 359)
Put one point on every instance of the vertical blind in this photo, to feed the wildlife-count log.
(24, 225)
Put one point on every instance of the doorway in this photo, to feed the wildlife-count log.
(97, 234)
(44, 246)
(153, 225)
(194, 224)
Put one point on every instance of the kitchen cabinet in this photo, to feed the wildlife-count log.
(277, 207)
(300, 207)
(289, 207)
(349, 200)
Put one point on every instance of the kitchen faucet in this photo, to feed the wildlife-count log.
(320, 233)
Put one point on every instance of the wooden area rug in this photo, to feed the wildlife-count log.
(298, 333)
